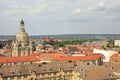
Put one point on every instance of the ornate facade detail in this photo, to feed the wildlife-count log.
(22, 45)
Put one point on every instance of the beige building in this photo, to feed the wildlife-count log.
(58, 71)
(22, 45)
(43, 71)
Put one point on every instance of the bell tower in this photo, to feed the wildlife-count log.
(22, 45)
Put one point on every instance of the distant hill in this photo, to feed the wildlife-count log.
(71, 36)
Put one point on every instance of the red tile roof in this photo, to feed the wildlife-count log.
(87, 49)
(115, 57)
(60, 57)
(65, 57)
(48, 54)
(18, 59)
(79, 58)
(92, 47)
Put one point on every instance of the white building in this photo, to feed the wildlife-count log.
(117, 43)
(106, 53)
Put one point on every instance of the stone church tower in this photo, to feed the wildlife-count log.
(22, 45)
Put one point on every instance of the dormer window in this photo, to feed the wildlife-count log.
(31, 63)
(112, 68)
(105, 65)
(0, 74)
(0, 66)
(44, 63)
(39, 65)
(70, 61)
(12, 73)
(30, 71)
(81, 69)
(61, 69)
(50, 69)
(84, 75)
(20, 72)
(84, 70)
(111, 75)
(34, 72)
(45, 70)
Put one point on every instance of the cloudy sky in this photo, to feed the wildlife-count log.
(46, 17)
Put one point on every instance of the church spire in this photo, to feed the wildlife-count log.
(22, 22)
(22, 28)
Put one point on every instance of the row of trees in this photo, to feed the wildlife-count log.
(63, 43)
(110, 43)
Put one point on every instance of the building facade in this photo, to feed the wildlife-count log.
(106, 53)
(58, 71)
(22, 45)
(43, 71)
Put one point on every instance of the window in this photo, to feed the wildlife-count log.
(93, 62)
(25, 77)
(105, 65)
(31, 63)
(12, 73)
(60, 77)
(112, 68)
(20, 72)
(84, 70)
(65, 73)
(84, 75)
(81, 69)
(33, 72)
(49, 74)
(37, 75)
(5, 78)
(88, 63)
(55, 78)
(19, 78)
(111, 75)
(43, 75)
(32, 79)
(11, 78)
(0, 74)
(1, 65)
(49, 79)
(61, 69)
(39, 65)
(55, 73)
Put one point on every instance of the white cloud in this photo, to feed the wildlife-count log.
(39, 9)
(101, 4)
(91, 8)
(58, 13)
(77, 11)
(16, 6)
(15, 9)
(97, 6)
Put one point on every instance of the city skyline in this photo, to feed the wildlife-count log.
(45, 17)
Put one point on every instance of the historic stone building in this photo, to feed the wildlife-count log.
(22, 45)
